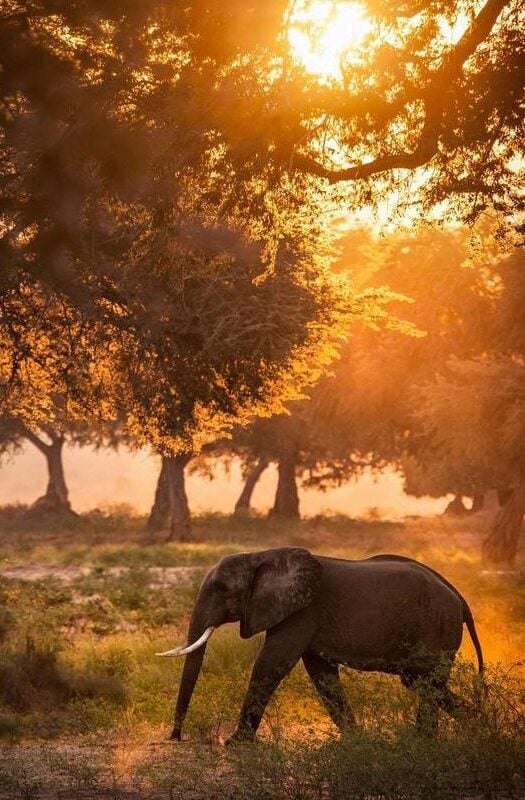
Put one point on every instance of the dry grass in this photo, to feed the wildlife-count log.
(85, 707)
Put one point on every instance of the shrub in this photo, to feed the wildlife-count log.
(34, 682)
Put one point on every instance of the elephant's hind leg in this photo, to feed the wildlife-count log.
(427, 715)
(452, 703)
(434, 694)
(325, 678)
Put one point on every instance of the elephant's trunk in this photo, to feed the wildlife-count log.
(190, 672)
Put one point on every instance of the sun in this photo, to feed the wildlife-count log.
(323, 33)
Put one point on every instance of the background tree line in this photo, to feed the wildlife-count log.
(433, 391)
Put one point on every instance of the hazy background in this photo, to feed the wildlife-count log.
(97, 479)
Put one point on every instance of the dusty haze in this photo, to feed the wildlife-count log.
(105, 478)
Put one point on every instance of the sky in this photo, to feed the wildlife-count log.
(104, 479)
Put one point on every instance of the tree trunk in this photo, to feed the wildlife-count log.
(286, 497)
(160, 510)
(180, 516)
(242, 506)
(56, 497)
(501, 545)
(478, 503)
(456, 507)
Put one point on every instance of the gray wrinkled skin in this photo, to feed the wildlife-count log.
(386, 613)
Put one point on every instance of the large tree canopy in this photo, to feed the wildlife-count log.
(141, 277)
(437, 85)
(431, 100)
(162, 171)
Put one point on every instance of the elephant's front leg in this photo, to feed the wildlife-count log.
(278, 656)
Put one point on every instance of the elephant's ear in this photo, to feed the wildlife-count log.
(285, 580)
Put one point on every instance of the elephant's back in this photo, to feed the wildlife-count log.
(382, 608)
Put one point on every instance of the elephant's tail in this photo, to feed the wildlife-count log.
(468, 619)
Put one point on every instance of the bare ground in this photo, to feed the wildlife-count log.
(160, 576)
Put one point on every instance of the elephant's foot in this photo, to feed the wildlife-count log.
(241, 736)
(176, 735)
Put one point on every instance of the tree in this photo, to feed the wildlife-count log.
(452, 278)
(170, 506)
(252, 471)
(204, 292)
(370, 403)
(429, 105)
(159, 514)
(370, 411)
(180, 518)
(282, 439)
(160, 168)
(501, 545)
(49, 441)
(482, 430)
(444, 408)
(447, 407)
(56, 497)
(313, 444)
(440, 107)
(286, 443)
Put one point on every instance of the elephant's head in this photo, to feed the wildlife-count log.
(257, 589)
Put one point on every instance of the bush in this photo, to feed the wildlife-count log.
(480, 755)
(33, 680)
(363, 765)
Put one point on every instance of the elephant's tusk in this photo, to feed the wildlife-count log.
(181, 651)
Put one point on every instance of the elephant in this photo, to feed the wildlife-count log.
(385, 613)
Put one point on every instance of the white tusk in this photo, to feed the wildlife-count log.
(181, 651)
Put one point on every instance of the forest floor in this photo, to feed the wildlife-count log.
(85, 707)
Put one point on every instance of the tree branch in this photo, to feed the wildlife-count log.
(28, 434)
(434, 97)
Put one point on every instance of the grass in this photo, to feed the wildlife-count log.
(97, 539)
(85, 707)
